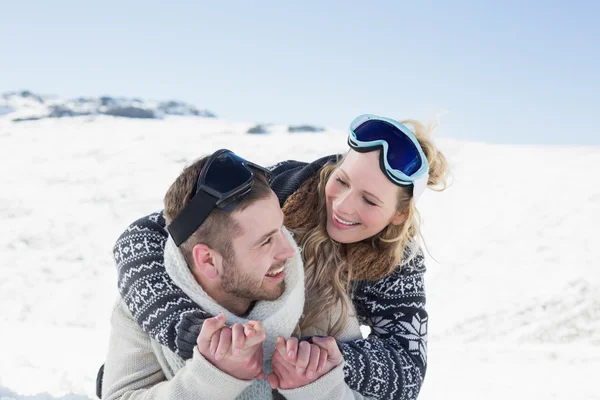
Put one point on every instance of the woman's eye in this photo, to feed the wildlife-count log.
(369, 202)
(341, 182)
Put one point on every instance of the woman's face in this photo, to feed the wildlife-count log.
(361, 201)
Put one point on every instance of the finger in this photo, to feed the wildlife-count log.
(261, 375)
(280, 345)
(237, 339)
(273, 380)
(224, 343)
(283, 371)
(282, 366)
(291, 348)
(303, 356)
(209, 327)
(259, 333)
(214, 343)
(249, 330)
(330, 344)
(322, 361)
(315, 353)
(256, 325)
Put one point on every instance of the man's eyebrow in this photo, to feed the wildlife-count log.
(364, 191)
(265, 236)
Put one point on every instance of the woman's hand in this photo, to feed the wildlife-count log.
(299, 364)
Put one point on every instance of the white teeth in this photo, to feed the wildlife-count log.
(341, 221)
(277, 271)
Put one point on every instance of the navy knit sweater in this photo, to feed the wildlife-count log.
(389, 364)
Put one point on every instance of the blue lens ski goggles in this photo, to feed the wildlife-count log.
(223, 181)
(402, 159)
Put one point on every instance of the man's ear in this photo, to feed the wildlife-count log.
(207, 261)
(398, 219)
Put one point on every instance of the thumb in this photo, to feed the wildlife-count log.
(209, 328)
(273, 380)
(261, 375)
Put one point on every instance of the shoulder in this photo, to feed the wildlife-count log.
(288, 167)
(288, 176)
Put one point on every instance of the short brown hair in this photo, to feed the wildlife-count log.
(219, 229)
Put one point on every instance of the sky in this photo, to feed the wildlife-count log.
(523, 72)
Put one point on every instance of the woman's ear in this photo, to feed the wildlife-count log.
(207, 261)
(398, 219)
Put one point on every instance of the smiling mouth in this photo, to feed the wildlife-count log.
(275, 272)
(344, 222)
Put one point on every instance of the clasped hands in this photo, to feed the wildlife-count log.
(237, 350)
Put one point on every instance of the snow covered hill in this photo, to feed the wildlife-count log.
(28, 106)
(513, 280)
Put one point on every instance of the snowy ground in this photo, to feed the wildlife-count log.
(514, 290)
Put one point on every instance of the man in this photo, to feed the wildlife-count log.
(229, 252)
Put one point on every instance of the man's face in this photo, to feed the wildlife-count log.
(261, 251)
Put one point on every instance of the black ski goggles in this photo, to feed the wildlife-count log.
(224, 180)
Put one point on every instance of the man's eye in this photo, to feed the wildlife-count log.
(268, 241)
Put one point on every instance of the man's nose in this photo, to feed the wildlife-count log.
(286, 250)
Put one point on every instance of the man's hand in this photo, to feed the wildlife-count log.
(296, 365)
(235, 350)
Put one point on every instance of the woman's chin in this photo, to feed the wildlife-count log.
(339, 235)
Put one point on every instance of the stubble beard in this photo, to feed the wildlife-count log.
(242, 285)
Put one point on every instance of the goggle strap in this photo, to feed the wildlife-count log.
(192, 216)
(419, 186)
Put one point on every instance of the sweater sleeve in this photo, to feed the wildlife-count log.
(156, 303)
(133, 372)
(391, 362)
(288, 176)
(330, 386)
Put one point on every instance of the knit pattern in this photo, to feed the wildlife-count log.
(155, 302)
(389, 364)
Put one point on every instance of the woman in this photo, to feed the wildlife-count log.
(356, 222)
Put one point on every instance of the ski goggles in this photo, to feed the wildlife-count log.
(402, 159)
(224, 180)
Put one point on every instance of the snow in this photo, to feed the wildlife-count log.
(26, 105)
(513, 281)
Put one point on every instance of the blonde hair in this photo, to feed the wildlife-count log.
(329, 268)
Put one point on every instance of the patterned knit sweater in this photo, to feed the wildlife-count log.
(389, 364)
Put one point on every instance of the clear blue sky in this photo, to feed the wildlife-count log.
(507, 72)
